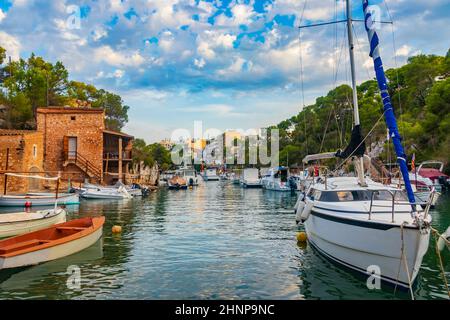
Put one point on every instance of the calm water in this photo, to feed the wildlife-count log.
(217, 241)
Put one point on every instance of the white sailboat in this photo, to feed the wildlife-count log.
(359, 223)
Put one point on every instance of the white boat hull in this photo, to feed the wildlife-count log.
(9, 226)
(359, 247)
(251, 184)
(35, 200)
(275, 186)
(211, 178)
(52, 253)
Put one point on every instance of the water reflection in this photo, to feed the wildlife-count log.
(216, 241)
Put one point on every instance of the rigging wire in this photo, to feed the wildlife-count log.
(394, 48)
(302, 78)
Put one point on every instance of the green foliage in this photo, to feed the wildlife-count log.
(420, 92)
(151, 154)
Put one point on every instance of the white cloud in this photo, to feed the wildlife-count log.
(403, 51)
(99, 33)
(2, 15)
(116, 58)
(200, 63)
(11, 44)
(223, 110)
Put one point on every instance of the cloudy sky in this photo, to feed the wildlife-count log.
(230, 63)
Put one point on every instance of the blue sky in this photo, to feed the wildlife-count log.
(230, 63)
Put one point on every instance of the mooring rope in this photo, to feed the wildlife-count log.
(31, 176)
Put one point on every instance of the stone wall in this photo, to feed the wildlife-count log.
(86, 125)
(26, 154)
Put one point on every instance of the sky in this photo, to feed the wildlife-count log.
(231, 64)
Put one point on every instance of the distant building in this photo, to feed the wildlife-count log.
(167, 144)
(21, 151)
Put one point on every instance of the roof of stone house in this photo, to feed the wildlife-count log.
(11, 132)
(69, 110)
(117, 133)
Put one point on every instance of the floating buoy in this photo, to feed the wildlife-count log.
(191, 187)
(28, 204)
(301, 237)
(117, 229)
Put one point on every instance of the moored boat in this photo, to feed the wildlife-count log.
(210, 174)
(250, 178)
(12, 224)
(103, 193)
(276, 179)
(49, 244)
(177, 182)
(32, 200)
(357, 222)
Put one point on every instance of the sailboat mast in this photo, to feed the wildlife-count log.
(352, 61)
(359, 162)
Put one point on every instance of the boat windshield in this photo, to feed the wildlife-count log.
(360, 195)
(189, 173)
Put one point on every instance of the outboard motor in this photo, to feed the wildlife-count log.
(191, 182)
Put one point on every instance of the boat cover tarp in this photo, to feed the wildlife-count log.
(356, 147)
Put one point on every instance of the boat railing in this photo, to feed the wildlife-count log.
(394, 202)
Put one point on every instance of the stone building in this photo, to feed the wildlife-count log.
(77, 143)
(21, 151)
(70, 141)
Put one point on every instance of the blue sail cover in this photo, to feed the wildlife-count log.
(389, 116)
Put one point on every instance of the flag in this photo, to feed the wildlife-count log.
(413, 162)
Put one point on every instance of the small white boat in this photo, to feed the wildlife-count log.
(250, 178)
(276, 179)
(134, 191)
(190, 175)
(46, 199)
(13, 224)
(58, 241)
(210, 175)
(106, 193)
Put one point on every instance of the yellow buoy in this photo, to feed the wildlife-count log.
(117, 229)
(301, 237)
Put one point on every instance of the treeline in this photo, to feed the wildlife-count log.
(151, 154)
(26, 85)
(420, 92)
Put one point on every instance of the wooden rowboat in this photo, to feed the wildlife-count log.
(13, 224)
(52, 243)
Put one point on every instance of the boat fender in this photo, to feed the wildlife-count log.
(441, 242)
(300, 207)
(306, 211)
(300, 198)
(28, 204)
(301, 237)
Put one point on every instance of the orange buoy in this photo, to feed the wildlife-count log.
(116, 229)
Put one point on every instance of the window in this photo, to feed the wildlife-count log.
(34, 151)
(73, 118)
(360, 195)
